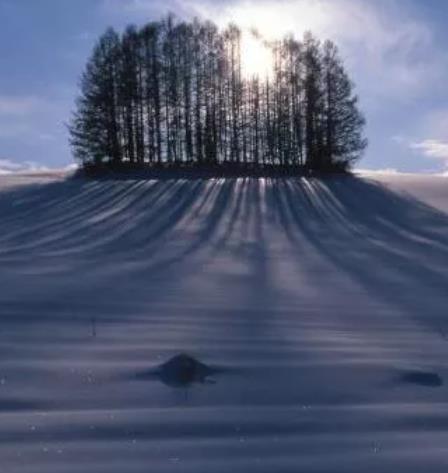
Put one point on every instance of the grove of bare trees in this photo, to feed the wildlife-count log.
(175, 93)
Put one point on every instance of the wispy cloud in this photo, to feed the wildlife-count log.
(391, 50)
(382, 172)
(11, 167)
(433, 149)
(8, 167)
(436, 149)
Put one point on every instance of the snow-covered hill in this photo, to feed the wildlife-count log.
(321, 305)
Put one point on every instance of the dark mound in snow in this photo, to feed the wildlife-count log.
(181, 371)
(422, 378)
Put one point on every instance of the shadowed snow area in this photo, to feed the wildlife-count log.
(317, 309)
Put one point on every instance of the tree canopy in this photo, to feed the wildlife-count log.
(175, 92)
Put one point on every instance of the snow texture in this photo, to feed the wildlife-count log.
(306, 321)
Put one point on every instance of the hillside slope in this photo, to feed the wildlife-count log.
(320, 304)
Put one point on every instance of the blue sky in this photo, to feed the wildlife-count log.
(395, 51)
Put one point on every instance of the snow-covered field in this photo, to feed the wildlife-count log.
(323, 306)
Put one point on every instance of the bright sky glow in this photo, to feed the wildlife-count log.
(273, 19)
(256, 58)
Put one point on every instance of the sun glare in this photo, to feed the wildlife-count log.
(256, 58)
(272, 19)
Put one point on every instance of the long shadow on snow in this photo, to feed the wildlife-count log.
(123, 219)
(393, 245)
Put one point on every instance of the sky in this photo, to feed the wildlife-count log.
(395, 51)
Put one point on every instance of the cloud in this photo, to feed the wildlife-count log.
(431, 148)
(383, 172)
(427, 139)
(390, 51)
(8, 167)
(11, 167)
(389, 48)
(395, 172)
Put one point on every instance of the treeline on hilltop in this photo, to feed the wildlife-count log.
(176, 93)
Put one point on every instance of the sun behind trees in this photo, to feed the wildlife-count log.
(174, 94)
